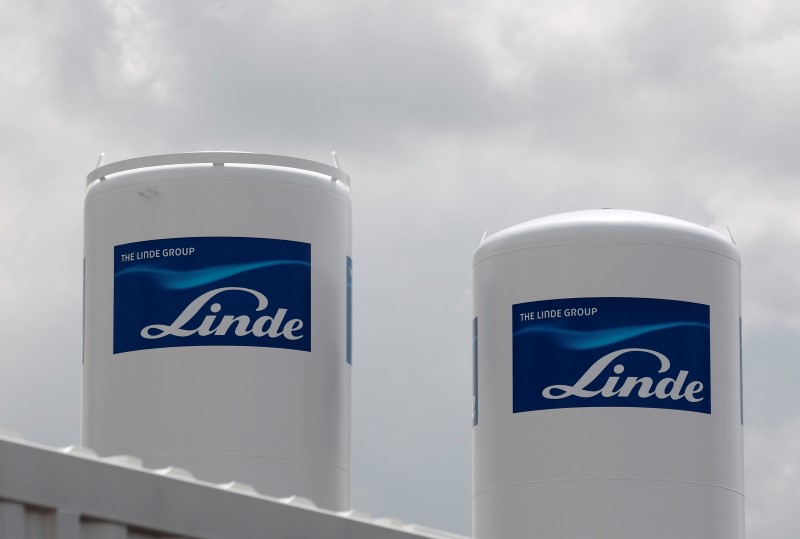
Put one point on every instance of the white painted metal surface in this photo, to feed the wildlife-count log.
(608, 381)
(70, 493)
(217, 319)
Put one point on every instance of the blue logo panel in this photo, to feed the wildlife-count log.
(611, 352)
(212, 291)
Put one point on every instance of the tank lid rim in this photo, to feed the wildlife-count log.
(217, 158)
(605, 226)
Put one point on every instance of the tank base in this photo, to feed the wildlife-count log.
(616, 508)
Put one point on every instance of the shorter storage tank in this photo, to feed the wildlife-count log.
(608, 367)
(217, 314)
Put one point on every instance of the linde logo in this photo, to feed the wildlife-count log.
(269, 326)
(665, 388)
(212, 291)
(611, 352)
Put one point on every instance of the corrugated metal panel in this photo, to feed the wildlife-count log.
(70, 493)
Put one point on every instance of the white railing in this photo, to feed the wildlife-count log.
(71, 493)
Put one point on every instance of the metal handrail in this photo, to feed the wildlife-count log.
(218, 158)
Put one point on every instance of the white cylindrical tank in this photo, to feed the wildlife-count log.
(217, 319)
(607, 380)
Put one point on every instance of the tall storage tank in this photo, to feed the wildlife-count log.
(217, 319)
(608, 380)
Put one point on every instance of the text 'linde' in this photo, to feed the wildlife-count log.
(665, 388)
(263, 326)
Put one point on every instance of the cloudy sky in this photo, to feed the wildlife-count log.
(452, 117)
